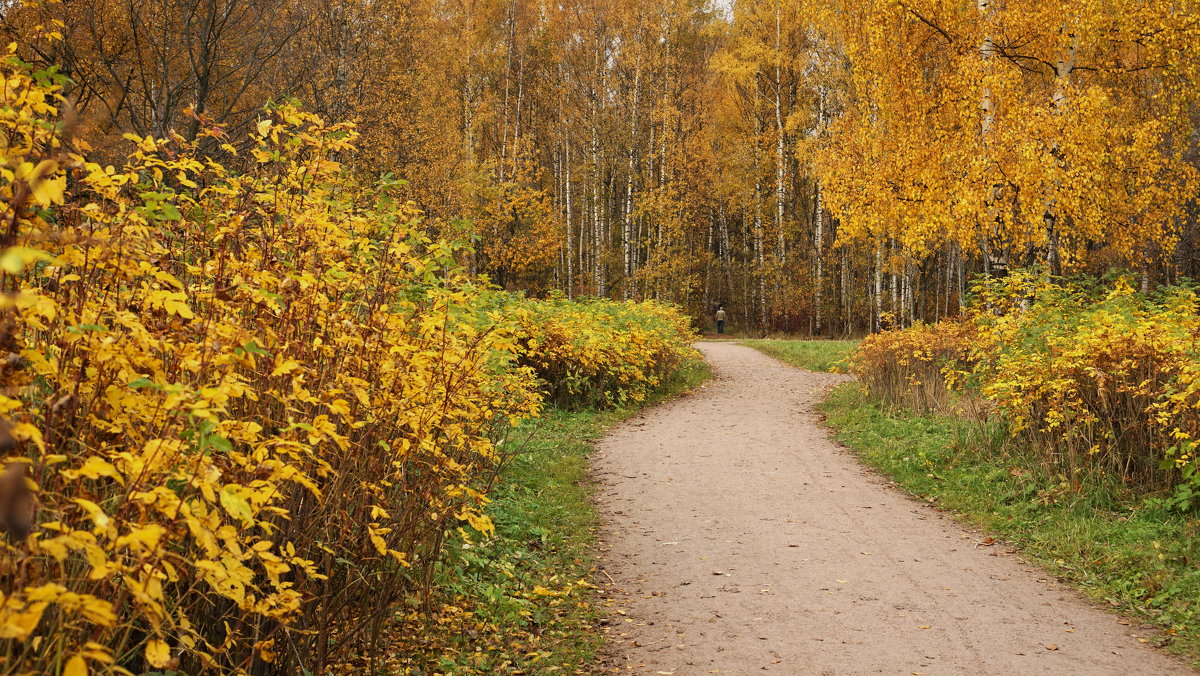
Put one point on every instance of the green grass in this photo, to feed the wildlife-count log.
(813, 355)
(525, 605)
(1125, 551)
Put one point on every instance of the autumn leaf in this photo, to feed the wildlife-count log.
(233, 499)
(76, 666)
(158, 653)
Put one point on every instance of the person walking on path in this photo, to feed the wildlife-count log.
(720, 319)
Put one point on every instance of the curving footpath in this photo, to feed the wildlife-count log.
(740, 539)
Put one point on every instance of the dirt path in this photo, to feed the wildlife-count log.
(740, 539)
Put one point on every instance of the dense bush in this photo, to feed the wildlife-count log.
(241, 411)
(908, 367)
(1095, 376)
(600, 352)
(1098, 375)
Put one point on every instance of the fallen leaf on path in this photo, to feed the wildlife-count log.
(1051, 646)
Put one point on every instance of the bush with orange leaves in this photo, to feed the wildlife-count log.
(910, 367)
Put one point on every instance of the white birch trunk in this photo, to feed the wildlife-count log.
(987, 110)
(511, 39)
(818, 251)
(597, 226)
(845, 291)
(570, 194)
(1062, 80)
(780, 158)
(627, 236)
(877, 320)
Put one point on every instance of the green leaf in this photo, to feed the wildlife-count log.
(80, 328)
(144, 382)
(220, 443)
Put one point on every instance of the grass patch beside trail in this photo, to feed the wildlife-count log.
(813, 355)
(520, 602)
(1127, 551)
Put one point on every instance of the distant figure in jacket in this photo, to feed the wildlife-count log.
(720, 319)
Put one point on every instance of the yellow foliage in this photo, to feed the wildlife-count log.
(251, 403)
(600, 352)
(1012, 130)
(907, 367)
(1094, 376)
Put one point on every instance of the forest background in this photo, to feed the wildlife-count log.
(817, 167)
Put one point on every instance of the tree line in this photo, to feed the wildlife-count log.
(824, 167)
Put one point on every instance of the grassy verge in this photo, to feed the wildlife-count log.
(813, 355)
(1126, 551)
(519, 602)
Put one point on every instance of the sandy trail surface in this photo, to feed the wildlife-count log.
(739, 539)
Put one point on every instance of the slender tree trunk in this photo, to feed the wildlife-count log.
(627, 236)
(1062, 81)
(517, 118)
(570, 194)
(818, 255)
(759, 256)
(508, 59)
(845, 292)
(990, 237)
(780, 156)
(876, 320)
(597, 226)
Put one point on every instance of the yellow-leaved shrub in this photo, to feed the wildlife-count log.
(907, 367)
(1094, 376)
(598, 352)
(240, 409)
(1101, 376)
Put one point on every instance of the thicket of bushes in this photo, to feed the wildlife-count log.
(1094, 376)
(240, 410)
(598, 352)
